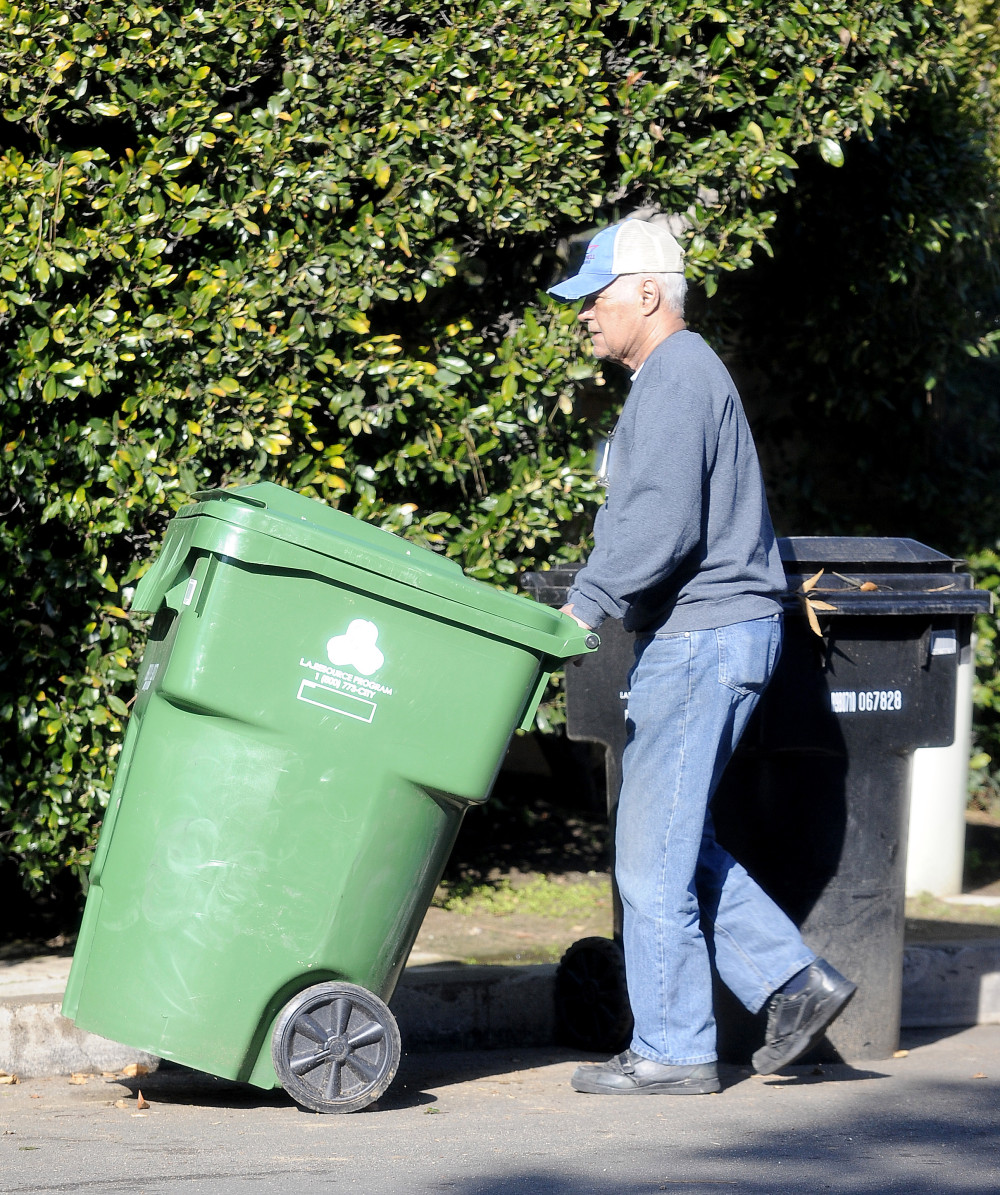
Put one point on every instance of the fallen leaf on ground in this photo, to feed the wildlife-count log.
(6, 1080)
(980, 1075)
(123, 1103)
(901, 1053)
(134, 1069)
(143, 1103)
(78, 1078)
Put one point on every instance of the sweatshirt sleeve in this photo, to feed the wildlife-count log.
(653, 517)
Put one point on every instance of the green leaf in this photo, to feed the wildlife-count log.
(831, 151)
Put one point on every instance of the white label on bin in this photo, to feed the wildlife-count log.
(339, 703)
(346, 685)
(944, 643)
(867, 701)
(357, 647)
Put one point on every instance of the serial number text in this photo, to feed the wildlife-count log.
(868, 701)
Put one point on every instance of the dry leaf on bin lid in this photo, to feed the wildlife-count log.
(811, 605)
(868, 586)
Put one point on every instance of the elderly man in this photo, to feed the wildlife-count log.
(685, 554)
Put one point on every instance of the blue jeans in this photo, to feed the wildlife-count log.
(692, 693)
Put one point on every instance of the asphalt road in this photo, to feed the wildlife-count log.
(927, 1123)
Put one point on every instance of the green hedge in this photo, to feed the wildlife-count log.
(985, 774)
(308, 242)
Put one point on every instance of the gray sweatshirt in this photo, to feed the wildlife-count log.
(684, 541)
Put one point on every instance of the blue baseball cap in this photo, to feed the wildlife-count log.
(631, 247)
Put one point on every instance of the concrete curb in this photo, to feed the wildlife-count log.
(439, 1006)
(453, 1007)
(36, 1040)
(951, 983)
(448, 1006)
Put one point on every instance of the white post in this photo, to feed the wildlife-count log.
(939, 783)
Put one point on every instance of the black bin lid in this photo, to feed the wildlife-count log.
(880, 554)
(860, 575)
(880, 575)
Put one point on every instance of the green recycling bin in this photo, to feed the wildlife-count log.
(318, 704)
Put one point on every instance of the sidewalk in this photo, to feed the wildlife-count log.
(506, 1122)
(441, 1004)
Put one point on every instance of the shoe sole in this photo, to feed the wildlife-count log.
(764, 1063)
(681, 1087)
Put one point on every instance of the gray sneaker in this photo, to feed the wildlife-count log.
(631, 1074)
(797, 1021)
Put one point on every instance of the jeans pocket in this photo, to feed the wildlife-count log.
(748, 653)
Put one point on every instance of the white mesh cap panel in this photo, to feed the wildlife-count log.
(642, 248)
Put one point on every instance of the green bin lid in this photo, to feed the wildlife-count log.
(299, 522)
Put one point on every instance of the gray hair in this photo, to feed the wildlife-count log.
(673, 289)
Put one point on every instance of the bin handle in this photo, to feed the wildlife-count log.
(229, 496)
(527, 721)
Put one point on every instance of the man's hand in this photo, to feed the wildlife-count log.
(569, 610)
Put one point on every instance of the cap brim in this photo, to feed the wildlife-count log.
(581, 285)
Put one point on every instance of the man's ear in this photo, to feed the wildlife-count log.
(649, 295)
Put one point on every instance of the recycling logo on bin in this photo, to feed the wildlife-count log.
(345, 685)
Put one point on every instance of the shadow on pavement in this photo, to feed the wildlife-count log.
(172, 1083)
(948, 1149)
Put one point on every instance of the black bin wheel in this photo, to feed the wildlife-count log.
(592, 1005)
(335, 1047)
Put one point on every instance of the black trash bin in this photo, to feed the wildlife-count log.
(815, 801)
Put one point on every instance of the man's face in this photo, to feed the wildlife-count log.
(612, 316)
